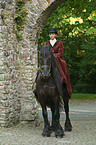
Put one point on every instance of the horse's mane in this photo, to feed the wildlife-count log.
(56, 74)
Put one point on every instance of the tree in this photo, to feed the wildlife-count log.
(76, 24)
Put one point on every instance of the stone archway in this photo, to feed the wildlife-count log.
(18, 60)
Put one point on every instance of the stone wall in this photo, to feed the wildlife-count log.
(10, 105)
(18, 60)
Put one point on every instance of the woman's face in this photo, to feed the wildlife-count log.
(52, 35)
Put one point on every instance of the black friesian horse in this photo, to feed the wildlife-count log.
(48, 92)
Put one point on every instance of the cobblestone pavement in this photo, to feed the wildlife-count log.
(83, 118)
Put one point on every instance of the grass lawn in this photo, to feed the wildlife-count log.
(83, 96)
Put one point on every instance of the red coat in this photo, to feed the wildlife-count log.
(62, 66)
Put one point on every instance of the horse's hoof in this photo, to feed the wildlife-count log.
(45, 135)
(59, 136)
(68, 129)
(59, 133)
(68, 126)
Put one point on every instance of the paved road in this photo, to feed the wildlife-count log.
(79, 110)
(83, 118)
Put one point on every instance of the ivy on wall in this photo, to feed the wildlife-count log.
(20, 18)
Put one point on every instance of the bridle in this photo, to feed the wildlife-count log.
(45, 67)
(49, 70)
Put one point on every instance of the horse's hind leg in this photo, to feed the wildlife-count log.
(46, 130)
(68, 126)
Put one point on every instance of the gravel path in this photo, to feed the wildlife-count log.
(83, 118)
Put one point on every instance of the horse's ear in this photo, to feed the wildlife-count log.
(39, 47)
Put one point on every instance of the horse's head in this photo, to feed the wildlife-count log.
(45, 61)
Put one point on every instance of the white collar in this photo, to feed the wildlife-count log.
(52, 42)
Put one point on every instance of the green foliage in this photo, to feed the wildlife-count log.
(76, 24)
(20, 17)
(83, 96)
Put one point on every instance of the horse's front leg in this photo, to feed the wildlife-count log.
(46, 130)
(68, 126)
(53, 119)
(58, 129)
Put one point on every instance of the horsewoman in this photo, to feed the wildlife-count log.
(57, 48)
